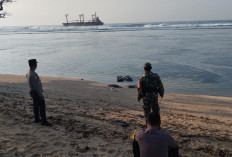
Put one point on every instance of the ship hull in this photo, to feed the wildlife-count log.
(83, 24)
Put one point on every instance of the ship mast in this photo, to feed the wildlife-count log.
(94, 16)
(66, 15)
(82, 18)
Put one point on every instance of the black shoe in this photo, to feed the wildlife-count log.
(37, 120)
(46, 123)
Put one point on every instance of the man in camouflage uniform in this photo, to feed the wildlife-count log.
(36, 92)
(148, 88)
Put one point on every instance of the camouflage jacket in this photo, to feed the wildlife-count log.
(150, 83)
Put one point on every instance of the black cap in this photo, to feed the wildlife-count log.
(32, 62)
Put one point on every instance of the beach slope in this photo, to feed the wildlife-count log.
(92, 119)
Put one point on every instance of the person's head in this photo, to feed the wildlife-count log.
(32, 63)
(153, 119)
(147, 66)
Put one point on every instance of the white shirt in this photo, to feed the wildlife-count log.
(34, 82)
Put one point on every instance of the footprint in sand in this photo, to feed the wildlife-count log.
(60, 144)
(33, 145)
(45, 131)
(54, 138)
(5, 142)
(50, 153)
(3, 123)
(111, 151)
(12, 150)
(22, 134)
(36, 155)
(25, 128)
(103, 149)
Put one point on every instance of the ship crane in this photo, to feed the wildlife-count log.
(81, 17)
(94, 17)
(66, 16)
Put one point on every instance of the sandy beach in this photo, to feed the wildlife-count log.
(92, 119)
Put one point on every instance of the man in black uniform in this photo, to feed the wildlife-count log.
(148, 88)
(36, 92)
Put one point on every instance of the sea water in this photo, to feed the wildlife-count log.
(190, 57)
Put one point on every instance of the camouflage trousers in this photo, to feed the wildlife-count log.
(150, 103)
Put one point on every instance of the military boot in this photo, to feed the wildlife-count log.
(37, 120)
(46, 123)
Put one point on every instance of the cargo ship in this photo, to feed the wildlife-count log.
(81, 22)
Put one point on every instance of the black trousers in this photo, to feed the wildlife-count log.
(39, 107)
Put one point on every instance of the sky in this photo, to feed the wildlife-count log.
(52, 12)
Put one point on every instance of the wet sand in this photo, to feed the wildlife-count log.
(91, 119)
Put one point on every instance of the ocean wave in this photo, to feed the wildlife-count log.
(226, 24)
(190, 25)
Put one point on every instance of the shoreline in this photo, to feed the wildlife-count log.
(121, 85)
(87, 118)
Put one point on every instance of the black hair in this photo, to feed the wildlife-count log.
(31, 65)
(147, 68)
(153, 119)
